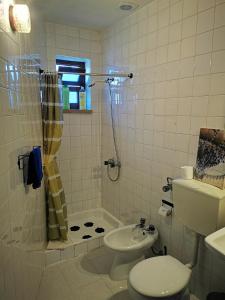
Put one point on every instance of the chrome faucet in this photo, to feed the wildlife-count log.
(150, 229)
(141, 225)
(112, 163)
(168, 187)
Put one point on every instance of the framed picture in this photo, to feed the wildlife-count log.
(210, 163)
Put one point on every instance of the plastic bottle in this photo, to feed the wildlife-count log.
(82, 99)
(66, 96)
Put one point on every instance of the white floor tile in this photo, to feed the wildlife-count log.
(83, 278)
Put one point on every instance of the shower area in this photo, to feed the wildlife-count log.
(82, 163)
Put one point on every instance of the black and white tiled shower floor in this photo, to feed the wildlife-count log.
(88, 228)
(86, 231)
(91, 224)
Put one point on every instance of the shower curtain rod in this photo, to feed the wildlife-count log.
(129, 75)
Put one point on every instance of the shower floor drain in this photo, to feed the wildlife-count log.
(89, 224)
(87, 236)
(99, 230)
(75, 228)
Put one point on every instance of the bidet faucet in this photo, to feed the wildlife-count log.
(149, 229)
(141, 224)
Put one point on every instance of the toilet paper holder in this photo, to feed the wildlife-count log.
(168, 203)
(165, 209)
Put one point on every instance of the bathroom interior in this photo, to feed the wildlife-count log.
(112, 117)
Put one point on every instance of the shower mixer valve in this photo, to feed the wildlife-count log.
(112, 163)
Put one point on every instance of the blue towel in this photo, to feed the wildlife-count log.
(35, 173)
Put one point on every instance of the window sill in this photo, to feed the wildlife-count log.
(77, 111)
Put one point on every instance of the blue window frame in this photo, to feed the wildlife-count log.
(74, 82)
(70, 66)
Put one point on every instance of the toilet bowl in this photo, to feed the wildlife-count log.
(162, 277)
(128, 245)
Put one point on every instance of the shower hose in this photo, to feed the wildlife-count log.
(118, 164)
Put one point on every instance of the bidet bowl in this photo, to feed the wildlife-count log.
(127, 239)
(129, 245)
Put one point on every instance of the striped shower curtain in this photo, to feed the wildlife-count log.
(52, 117)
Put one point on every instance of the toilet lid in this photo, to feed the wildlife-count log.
(160, 276)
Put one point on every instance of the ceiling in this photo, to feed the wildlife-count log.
(96, 14)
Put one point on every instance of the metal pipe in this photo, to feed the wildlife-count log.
(194, 260)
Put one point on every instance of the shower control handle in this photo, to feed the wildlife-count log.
(112, 163)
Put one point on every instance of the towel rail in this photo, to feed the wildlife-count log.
(21, 158)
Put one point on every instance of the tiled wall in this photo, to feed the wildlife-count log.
(79, 156)
(176, 50)
(22, 214)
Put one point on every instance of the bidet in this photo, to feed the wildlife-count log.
(129, 244)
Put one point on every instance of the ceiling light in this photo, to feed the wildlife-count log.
(19, 18)
(127, 6)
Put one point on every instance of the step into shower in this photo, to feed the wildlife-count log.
(86, 232)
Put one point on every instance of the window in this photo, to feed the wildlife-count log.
(75, 92)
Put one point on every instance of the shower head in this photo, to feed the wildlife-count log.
(109, 80)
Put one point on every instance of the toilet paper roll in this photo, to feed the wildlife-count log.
(165, 211)
(186, 172)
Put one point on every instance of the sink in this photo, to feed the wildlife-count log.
(216, 242)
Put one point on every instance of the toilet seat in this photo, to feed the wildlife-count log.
(161, 276)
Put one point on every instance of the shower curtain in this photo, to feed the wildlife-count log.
(52, 117)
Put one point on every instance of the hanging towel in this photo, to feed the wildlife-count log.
(35, 168)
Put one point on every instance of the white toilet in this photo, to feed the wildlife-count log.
(159, 277)
(165, 277)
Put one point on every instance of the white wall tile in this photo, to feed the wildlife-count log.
(217, 84)
(218, 61)
(204, 42)
(205, 21)
(199, 106)
(216, 106)
(188, 47)
(205, 4)
(189, 26)
(219, 39)
(190, 8)
(176, 12)
(163, 18)
(202, 64)
(175, 32)
(174, 51)
(219, 15)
